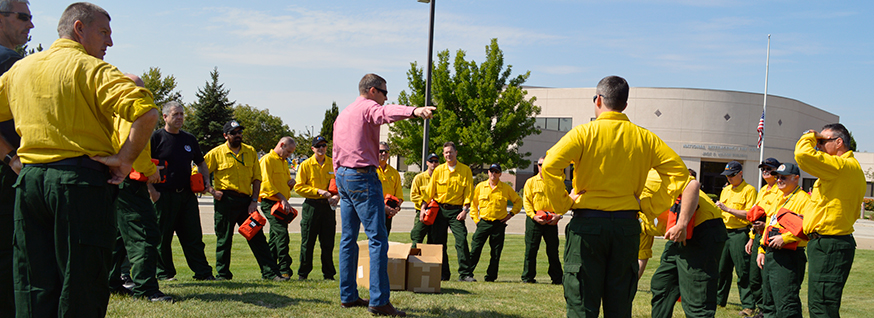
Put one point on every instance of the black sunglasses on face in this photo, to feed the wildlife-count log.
(383, 151)
(21, 15)
(594, 99)
(235, 132)
(432, 161)
(384, 92)
(321, 146)
(732, 175)
(823, 141)
(781, 177)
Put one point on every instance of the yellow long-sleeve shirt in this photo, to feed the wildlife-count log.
(419, 188)
(391, 181)
(451, 186)
(837, 195)
(490, 204)
(143, 163)
(232, 171)
(765, 198)
(797, 201)
(534, 196)
(275, 176)
(741, 197)
(63, 99)
(612, 157)
(312, 177)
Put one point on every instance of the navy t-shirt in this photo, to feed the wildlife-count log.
(7, 128)
(179, 150)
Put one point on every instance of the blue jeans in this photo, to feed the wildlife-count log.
(362, 203)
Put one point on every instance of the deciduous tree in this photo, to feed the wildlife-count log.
(262, 130)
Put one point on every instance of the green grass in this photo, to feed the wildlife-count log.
(249, 296)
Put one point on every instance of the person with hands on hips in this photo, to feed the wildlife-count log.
(489, 212)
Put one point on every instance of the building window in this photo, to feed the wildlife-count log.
(563, 124)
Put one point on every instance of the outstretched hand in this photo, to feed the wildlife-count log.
(424, 112)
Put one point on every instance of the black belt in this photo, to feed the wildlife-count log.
(449, 206)
(81, 161)
(362, 169)
(769, 249)
(235, 194)
(814, 235)
(316, 201)
(743, 229)
(588, 213)
(708, 224)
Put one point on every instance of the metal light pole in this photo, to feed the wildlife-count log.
(425, 127)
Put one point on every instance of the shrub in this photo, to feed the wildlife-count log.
(408, 179)
(869, 204)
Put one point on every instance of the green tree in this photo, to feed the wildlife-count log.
(210, 112)
(23, 51)
(328, 127)
(163, 89)
(479, 107)
(262, 130)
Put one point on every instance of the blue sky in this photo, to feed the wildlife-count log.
(296, 57)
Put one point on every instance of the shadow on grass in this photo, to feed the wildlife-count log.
(266, 300)
(453, 291)
(452, 312)
(225, 284)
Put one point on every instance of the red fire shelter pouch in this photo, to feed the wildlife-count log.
(197, 183)
(392, 202)
(253, 224)
(139, 176)
(674, 213)
(281, 214)
(431, 212)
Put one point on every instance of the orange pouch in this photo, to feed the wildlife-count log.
(791, 221)
(545, 215)
(252, 225)
(138, 176)
(281, 214)
(332, 187)
(773, 231)
(431, 212)
(674, 213)
(757, 213)
(197, 183)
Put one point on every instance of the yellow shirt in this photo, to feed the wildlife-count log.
(765, 197)
(648, 230)
(837, 195)
(534, 196)
(612, 157)
(391, 181)
(798, 202)
(232, 171)
(275, 176)
(490, 204)
(63, 101)
(742, 197)
(143, 163)
(451, 186)
(419, 188)
(312, 177)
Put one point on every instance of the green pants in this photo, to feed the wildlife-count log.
(177, 211)
(7, 205)
(533, 233)
(690, 272)
(64, 235)
(734, 257)
(755, 272)
(138, 238)
(446, 219)
(600, 263)
(318, 222)
(493, 231)
(231, 211)
(782, 276)
(420, 230)
(278, 241)
(829, 263)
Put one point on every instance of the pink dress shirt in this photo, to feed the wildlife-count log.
(356, 131)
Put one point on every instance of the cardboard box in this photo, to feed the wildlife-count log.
(413, 269)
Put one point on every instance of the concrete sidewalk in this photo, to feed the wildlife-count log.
(403, 222)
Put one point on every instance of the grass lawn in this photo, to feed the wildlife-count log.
(249, 296)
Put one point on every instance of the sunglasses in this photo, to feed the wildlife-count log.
(384, 92)
(823, 141)
(21, 15)
(383, 151)
(432, 161)
(540, 164)
(235, 132)
(781, 177)
(594, 99)
(732, 175)
(321, 146)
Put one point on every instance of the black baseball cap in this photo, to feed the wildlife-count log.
(230, 126)
(788, 169)
(732, 168)
(495, 167)
(433, 156)
(318, 140)
(770, 162)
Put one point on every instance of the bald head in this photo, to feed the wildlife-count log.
(285, 147)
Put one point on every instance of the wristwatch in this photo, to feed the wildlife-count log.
(9, 156)
(255, 200)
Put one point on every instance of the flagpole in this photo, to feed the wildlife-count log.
(764, 110)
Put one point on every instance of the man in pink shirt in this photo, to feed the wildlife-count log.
(356, 147)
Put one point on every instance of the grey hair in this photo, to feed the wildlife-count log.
(383, 143)
(6, 5)
(368, 81)
(79, 11)
(168, 107)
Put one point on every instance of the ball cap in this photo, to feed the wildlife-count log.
(319, 140)
(788, 169)
(230, 126)
(433, 156)
(495, 167)
(770, 162)
(732, 168)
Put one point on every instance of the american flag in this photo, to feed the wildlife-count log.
(761, 130)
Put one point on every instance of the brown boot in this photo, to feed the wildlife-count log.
(386, 310)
